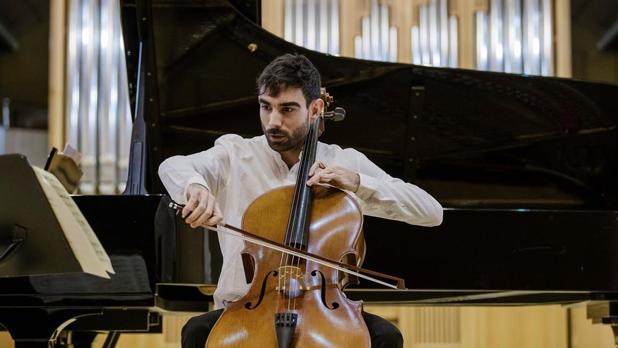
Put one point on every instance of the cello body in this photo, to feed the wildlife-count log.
(288, 292)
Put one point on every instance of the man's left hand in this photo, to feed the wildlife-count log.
(336, 176)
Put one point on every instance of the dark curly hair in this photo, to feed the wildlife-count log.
(290, 70)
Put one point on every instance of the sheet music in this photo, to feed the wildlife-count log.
(82, 239)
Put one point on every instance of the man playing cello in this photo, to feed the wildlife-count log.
(223, 180)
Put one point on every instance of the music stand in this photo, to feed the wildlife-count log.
(31, 239)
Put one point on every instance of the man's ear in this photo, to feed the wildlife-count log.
(316, 107)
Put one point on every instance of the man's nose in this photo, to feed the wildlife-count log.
(275, 119)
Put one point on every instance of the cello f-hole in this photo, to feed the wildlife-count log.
(334, 305)
(249, 305)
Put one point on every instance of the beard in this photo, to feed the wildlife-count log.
(286, 141)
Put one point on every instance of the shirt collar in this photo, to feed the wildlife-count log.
(276, 156)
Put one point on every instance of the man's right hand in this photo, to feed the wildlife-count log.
(201, 208)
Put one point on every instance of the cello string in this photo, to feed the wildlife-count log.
(292, 233)
(309, 155)
(299, 186)
(293, 220)
(302, 176)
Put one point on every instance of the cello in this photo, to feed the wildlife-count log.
(294, 301)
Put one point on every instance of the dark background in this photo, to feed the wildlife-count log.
(24, 52)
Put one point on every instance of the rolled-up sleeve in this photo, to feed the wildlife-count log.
(384, 196)
(206, 168)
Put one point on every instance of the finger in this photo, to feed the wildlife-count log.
(321, 170)
(314, 179)
(340, 179)
(208, 212)
(216, 219)
(325, 182)
(193, 201)
(327, 177)
(210, 205)
(325, 171)
(319, 179)
(195, 214)
(313, 168)
(200, 221)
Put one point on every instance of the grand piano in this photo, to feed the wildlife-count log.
(526, 167)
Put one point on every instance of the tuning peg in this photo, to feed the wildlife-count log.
(336, 115)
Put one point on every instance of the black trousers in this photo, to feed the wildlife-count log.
(383, 333)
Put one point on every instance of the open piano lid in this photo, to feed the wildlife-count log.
(471, 138)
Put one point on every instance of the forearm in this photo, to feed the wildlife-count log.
(395, 199)
(176, 174)
(206, 168)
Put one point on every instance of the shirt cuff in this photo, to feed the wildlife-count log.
(367, 186)
(193, 180)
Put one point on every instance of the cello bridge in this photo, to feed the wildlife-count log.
(291, 281)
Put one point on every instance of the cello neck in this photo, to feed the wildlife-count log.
(297, 232)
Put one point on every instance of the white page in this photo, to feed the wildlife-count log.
(82, 239)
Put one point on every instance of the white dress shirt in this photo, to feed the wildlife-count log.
(238, 170)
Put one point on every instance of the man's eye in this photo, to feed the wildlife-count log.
(265, 107)
(287, 109)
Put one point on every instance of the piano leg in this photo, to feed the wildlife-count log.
(111, 340)
(604, 312)
(77, 339)
(40, 327)
(37, 327)
(118, 321)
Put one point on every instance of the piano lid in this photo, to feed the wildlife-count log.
(471, 138)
